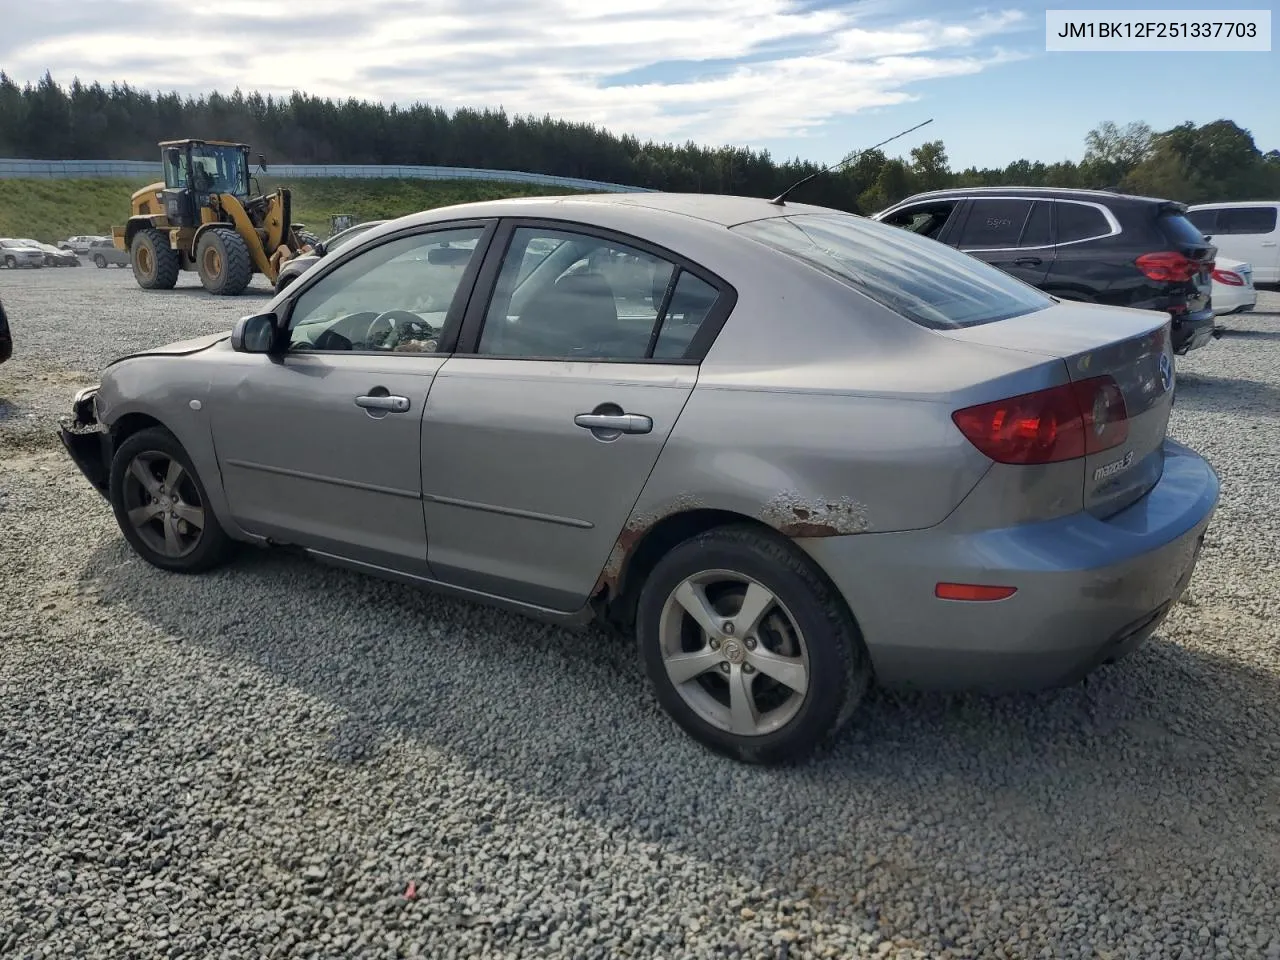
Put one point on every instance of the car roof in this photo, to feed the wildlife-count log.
(1064, 193)
(723, 210)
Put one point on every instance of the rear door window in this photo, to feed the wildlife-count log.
(994, 223)
(1247, 220)
(1078, 221)
(926, 282)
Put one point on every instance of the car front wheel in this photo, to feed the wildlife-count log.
(161, 505)
(748, 647)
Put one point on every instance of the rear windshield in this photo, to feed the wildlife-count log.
(921, 279)
(1181, 230)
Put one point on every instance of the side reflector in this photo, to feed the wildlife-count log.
(972, 591)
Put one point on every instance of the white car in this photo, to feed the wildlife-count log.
(1248, 231)
(1233, 290)
(79, 244)
(18, 253)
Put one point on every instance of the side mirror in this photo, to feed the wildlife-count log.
(255, 333)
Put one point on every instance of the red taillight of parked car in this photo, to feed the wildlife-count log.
(1170, 266)
(1228, 277)
(1049, 426)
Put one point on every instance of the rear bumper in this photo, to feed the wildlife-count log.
(1192, 332)
(1089, 591)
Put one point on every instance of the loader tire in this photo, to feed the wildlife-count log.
(222, 258)
(155, 263)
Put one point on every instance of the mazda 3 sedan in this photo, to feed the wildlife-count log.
(792, 450)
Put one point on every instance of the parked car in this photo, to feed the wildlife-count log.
(103, 252)
(6, 336)
(18, 253)
(81, 243)
(1086, 245)
(1246, 231)
(291, 270)
(815, 450)
(53, 256)
(1233, 289)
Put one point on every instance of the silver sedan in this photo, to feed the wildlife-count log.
(792, 450)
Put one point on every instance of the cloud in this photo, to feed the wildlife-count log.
(737, 71)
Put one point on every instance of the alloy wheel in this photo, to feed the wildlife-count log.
(163, 504)
(734, 653)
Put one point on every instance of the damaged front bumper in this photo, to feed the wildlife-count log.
(88, 442)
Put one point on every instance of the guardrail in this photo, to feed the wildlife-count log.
(90, 169)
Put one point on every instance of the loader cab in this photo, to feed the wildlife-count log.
(196, 169)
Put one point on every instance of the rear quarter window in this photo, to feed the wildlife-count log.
(924, 281)
(1180, 229)
(1078, 221)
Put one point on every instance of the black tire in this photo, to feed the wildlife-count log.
(211, 548)
(839, 670)
(222, 258)
(99, 261)
(283, 282)
(155, 263)
(307, 237)
(11, 263)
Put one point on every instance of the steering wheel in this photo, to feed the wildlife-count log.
(396, 321)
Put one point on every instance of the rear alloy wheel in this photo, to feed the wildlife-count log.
(748, 647)
(161, 505)
(155, 263)
(222, 258)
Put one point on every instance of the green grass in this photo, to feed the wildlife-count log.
(52, 210)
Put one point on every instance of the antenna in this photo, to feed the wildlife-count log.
(781, 198)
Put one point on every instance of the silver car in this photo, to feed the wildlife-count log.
(20, 253)
(792, 450)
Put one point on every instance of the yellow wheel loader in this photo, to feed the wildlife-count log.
(204, 218)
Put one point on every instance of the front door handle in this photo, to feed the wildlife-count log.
(390, 404)
(621, 422)
(1028, 262)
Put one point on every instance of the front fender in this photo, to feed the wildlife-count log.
(172, 391)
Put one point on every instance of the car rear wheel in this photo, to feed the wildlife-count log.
(155, 263)
(10, 262)
(222, 258)
(99, 261)
(161, 505)
(748, 647)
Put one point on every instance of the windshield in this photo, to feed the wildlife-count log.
(211, 169)
(921, 279)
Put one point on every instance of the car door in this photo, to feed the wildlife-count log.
(572, 369)
(1011, 233)
(321, 446)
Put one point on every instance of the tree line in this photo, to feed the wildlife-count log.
(46, 120)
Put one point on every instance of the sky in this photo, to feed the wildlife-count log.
(801, 78)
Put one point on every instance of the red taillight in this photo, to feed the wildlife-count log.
(1229, 277)
(1168, 266)
(1049, 426)
(972, 591)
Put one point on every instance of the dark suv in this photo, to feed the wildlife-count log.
(1088, 245)
(6, 339)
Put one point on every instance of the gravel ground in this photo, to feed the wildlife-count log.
(261, 761)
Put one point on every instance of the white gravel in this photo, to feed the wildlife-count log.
(260, 761)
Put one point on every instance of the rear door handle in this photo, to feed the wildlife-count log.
(390, 404)
(1028, 262)
(1268, 243)
(622, 422)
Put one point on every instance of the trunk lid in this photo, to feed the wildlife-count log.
(1185, 238)
(1134, 348)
